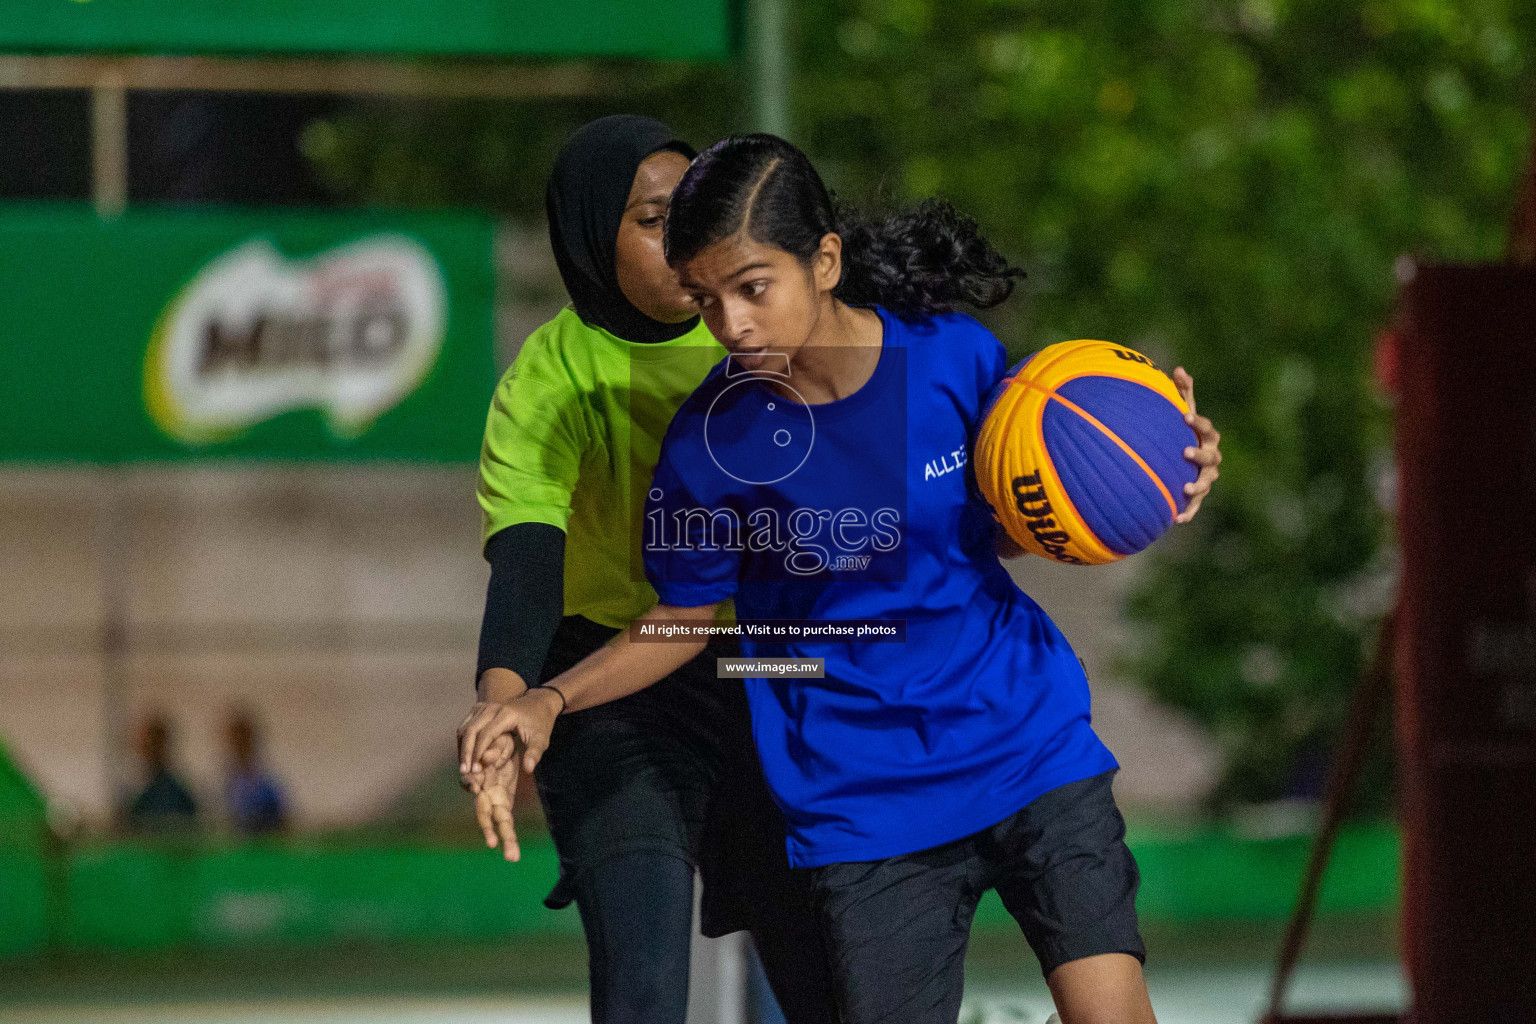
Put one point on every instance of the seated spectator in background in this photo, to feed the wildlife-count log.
(253, 798)
(164, 804)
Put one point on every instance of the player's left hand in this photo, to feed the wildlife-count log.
(1207, 456)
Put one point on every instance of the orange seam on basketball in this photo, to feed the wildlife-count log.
(1179, 405)
(1090, 544)
(1085, 414)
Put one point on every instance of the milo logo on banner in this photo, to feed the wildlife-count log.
(350, 332)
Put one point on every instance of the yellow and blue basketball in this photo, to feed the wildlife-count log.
(1081, 452)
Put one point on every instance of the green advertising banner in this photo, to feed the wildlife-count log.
(681, 29)
(192, 334)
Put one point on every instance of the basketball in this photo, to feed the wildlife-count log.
(1081, 452)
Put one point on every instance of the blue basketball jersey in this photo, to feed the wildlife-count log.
(861, 508)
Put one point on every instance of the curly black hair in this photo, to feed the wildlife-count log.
(915, 262)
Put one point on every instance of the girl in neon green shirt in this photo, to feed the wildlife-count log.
(640, 792)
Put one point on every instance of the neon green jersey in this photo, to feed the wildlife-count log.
(572, 439)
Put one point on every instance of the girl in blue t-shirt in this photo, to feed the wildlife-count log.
(819, 474)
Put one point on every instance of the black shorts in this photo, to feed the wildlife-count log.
(896, 929)
(669, 769)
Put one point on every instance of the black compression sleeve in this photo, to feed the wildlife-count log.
(524, 600)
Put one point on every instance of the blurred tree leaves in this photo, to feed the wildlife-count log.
(1224, 184)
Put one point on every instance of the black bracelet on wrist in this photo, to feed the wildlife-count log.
(558, 693)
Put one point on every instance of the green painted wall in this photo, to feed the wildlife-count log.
(677, 29)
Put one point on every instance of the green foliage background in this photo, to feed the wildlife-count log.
(1221, 184)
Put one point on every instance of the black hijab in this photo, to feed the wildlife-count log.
(585, 201)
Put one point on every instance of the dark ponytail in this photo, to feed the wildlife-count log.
(924, 259)
(916, 262)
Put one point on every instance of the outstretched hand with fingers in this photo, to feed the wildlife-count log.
(495, 790)
(1207, 456)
